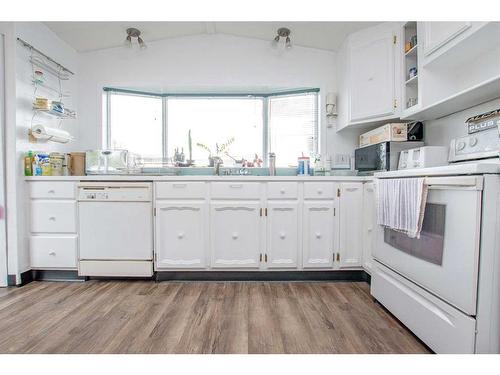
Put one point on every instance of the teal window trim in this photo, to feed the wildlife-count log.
(212, 94)
(265, 112)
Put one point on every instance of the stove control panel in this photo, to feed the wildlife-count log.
(485, 144)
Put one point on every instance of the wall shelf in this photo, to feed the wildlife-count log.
(412, 51)
(55, 113)
(412, 81)
(475, 95)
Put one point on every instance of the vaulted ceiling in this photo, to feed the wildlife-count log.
(88, 36)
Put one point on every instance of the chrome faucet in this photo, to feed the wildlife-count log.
(217, 164)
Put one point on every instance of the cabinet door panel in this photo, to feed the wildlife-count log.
(372, 77)
(180, 235)
(318, 247)
(439, 34)
(282, 234)
(235, 234)
(369, 222)
(351, 224)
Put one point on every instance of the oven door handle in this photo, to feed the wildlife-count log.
(460, 182)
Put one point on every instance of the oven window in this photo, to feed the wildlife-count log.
(430, 245)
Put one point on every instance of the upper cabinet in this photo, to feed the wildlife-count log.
(438, 35)
(457, 67)
(370, 68)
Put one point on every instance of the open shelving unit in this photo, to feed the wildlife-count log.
(48, 84)
(410, 57)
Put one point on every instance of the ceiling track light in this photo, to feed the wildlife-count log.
(134, 33)
(282, 32)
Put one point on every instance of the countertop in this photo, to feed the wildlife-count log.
(472, 168)
(197, 178)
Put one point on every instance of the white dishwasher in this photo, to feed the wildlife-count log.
(115, 229)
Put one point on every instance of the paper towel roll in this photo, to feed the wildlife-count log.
(50, 134)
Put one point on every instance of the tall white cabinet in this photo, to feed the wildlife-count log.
(350, 224)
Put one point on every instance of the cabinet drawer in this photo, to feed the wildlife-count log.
(52, 189)
(319, 190)
(53, 252)
(180, 190)
(282, 190)
(235, 190)
(440, 326)
(53, 216)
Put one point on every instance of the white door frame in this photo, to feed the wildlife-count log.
(3, 231)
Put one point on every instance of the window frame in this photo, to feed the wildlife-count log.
(265, 97)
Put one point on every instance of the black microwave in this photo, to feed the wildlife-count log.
(380, 157)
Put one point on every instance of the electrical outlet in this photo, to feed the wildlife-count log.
(342, 161)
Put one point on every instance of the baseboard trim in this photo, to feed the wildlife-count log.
(351, 275)
(57, 275)
(25, 278)
(334, 275)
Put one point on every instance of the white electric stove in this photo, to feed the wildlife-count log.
(445, 286)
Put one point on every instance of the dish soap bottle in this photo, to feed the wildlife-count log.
(28, 164)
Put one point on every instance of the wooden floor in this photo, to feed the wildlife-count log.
(194, 317)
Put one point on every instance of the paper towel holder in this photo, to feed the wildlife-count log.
(49, 134)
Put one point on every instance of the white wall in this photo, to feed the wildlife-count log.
(440, 132)
(46, 41)
(205, 63)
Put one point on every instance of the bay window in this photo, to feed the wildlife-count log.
(232, 127)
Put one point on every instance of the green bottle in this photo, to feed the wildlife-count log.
(28, 164)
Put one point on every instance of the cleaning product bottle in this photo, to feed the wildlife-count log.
(28, 164)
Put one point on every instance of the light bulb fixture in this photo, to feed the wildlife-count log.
(282, 32)
(134, 33)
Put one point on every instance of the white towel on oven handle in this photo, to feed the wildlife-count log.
(401, 204)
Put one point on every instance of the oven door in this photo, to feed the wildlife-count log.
(444, 260)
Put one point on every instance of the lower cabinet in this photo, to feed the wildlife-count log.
(319, 234)
(369, 222)
(351, 224)
(235, 234)
(181, 235)
(282, 234)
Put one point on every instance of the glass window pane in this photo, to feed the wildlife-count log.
(136, 124)
(293, 124)
(215, 121)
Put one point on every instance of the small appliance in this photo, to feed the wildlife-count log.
(423, 157)
(397, 132)
(381, 157)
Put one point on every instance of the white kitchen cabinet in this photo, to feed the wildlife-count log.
(282, 232)
(319, 234)
(374, 74)
(438, 36)
(53, 238)
(351, 224)
(181, 234)
(236, 233)
(369, 222)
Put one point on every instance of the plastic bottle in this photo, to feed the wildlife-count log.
(28, 164)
